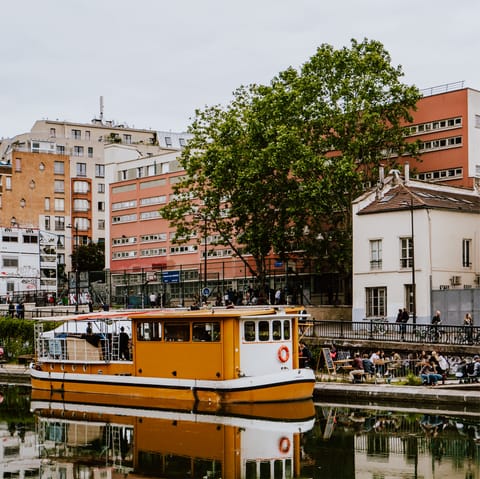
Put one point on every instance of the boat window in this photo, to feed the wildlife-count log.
(286, 329)
(277, 330)
(206, 332)
(149, 331)
(249, 331)
(177, 331)
(263, 330)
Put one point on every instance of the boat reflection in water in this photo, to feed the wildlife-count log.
(242, 441)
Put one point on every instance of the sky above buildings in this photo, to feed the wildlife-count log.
(155, 62)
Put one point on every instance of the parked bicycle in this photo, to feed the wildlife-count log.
(467, 335)
(428, 334)
(378, 326)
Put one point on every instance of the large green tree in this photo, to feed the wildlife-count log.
(275, 171)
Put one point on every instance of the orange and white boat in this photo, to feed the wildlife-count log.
(217, 356)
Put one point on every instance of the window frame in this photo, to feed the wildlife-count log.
(375, 254)
(376, 302)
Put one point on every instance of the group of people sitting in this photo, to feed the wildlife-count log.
(434, 368)
(431, 368)
(468, 370)
(374, 365)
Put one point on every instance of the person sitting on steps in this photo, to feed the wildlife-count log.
(429, 374)
(357, 372)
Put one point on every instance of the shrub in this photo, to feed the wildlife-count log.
(17, 336)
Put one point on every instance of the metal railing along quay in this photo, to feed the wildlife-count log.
(383, 331)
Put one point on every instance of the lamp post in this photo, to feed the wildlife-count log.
(75, 265)
(205, 252)
(412, 259)
(204, 217)
(414, 297)
(77, 285)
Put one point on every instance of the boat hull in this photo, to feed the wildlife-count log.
(290, 385)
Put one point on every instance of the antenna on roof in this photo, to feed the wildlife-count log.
(101, 108)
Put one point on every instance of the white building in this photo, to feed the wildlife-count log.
(441, 264)
(28, 260)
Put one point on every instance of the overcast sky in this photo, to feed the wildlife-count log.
(155, 61)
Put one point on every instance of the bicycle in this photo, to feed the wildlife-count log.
(378, 326)
(428, 334)
(466, 336)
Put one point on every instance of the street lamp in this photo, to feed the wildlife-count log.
(77, 285)
(204, 217)
(414, 297)
(205, 251)
(412, 259)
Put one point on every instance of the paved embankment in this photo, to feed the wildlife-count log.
(464, 397)
(14, 374)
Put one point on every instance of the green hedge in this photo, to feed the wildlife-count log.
(17, 336)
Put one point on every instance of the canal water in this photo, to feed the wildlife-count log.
(44, 439)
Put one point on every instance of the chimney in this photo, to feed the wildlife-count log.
(380, 183)
(406, 172)
(396, 177)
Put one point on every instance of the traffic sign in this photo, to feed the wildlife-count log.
(171, 276)
(206, 292)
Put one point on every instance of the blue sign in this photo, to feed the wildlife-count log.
(206, 292)
(171, 276)
(278, 264)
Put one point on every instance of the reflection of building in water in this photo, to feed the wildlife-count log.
(435, 456)
(18, 454)
(105, 446)
(372, 442)
(140, 442)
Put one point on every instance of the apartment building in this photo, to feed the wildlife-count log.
(447, 126)
(53, 177)
(28, 262)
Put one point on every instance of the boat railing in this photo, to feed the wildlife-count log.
(78, 348)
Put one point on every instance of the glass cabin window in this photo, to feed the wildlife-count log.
(206, 332)
(286, 329)
(177, 332)
(277, 330)
(249, 331)
(263, 330)
(149, 331)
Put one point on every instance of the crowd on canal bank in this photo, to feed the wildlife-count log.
(429, 367)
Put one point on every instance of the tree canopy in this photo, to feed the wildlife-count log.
(276, 169)
(90, 257)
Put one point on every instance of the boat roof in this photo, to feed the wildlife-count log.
(177, 313)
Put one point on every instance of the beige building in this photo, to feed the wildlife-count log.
(53, 177)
